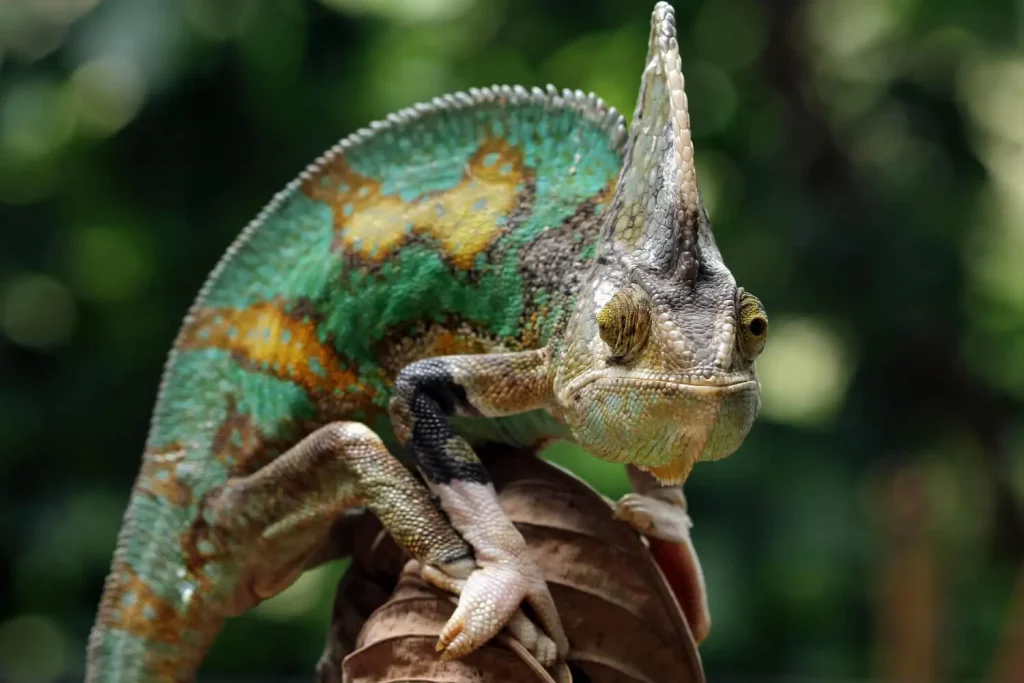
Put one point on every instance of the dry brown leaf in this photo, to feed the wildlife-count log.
(623, 622)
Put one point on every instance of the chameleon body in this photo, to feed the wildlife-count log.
(504, 264)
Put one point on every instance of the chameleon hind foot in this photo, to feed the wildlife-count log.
(654, 517)
(659, 513)
(276, 519)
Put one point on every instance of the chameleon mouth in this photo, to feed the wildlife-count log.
(720, 388)
(692, 384)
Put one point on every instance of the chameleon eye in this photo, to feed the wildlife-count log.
(625, 322)
(753, 325)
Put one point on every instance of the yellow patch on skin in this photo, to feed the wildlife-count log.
(272, 341)
(464, 220)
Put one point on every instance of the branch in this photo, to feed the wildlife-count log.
(621, 616)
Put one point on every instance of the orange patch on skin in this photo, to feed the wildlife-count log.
(606, 195)
(158, 476)
(464, 220)
(130, 606)
(274, 342)
(673, 473)
(434, 341)
(530, 337)
(444, 344)
(136, 609)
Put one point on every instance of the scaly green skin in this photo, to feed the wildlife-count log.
(445, 265)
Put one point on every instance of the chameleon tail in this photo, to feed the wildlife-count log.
(154, 623)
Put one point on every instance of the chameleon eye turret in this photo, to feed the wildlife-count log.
(753, 325)
(625, 323)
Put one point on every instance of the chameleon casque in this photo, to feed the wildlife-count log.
(499, 265)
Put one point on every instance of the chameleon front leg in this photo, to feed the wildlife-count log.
(659, 513)
(426, 394)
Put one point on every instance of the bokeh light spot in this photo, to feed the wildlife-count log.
(403, 72)
(853, 41)
(93, 250)
(27, 31)
(32, 648)
(992, 90)
(412, 11)
(107, 93)
(36, 119)
(804, 372)
(602, 63)
(37, 311)
(61, 11)
(845, 30)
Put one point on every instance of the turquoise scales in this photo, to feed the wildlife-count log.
(307, 319)
(503, 254)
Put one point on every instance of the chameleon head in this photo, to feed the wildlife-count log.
(656, 365)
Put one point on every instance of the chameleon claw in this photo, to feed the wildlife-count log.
(455, 647)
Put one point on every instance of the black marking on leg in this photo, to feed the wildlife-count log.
(432, 396)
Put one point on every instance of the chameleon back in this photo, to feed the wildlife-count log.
(451, 228)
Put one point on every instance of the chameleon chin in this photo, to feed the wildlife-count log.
(505, 257)
(670, 427)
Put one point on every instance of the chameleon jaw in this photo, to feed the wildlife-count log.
(663, 427)
(693, 382)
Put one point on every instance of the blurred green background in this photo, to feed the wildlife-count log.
(863, 163)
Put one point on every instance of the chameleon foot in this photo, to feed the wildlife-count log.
(519, 626)
(667, 527)
(489, 600)
(429, 392)
(654, 517)
(659, 513)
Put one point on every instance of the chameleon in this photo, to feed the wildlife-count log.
(501, 264)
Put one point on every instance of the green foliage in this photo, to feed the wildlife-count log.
(860, 160)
